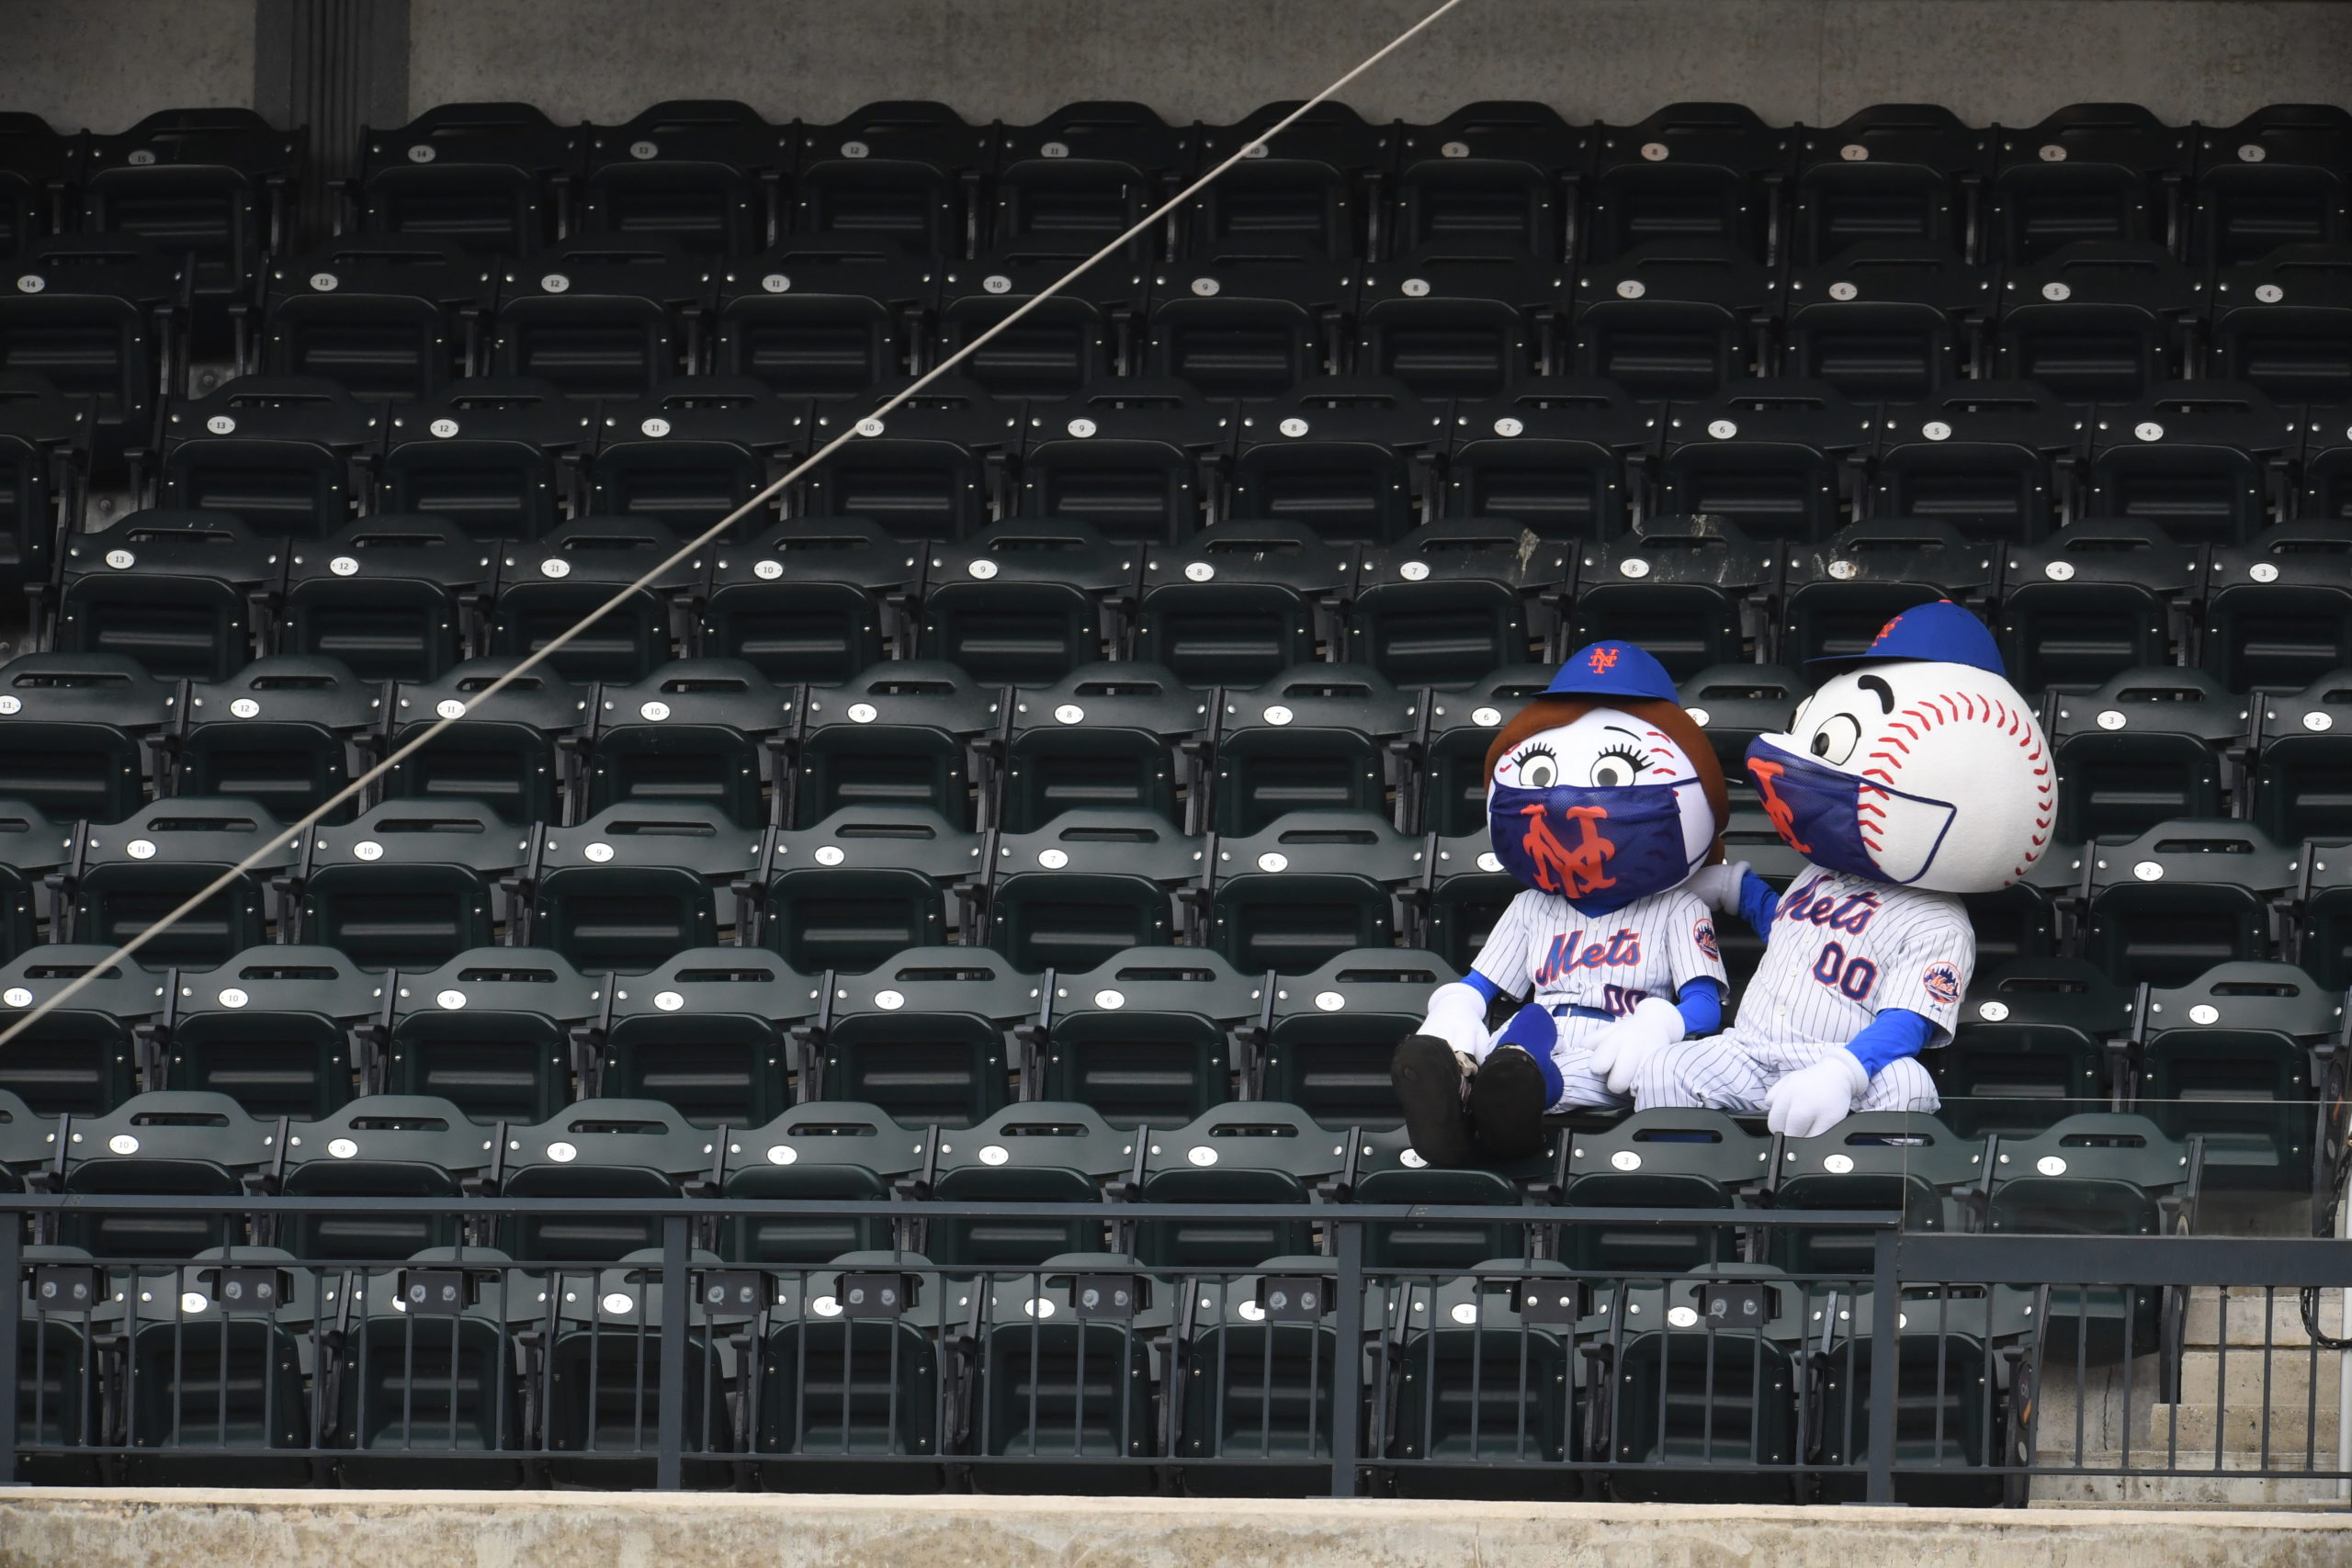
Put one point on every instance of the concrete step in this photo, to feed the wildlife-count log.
(2213, 1489)
(2247, 1377)
(2245, 1317)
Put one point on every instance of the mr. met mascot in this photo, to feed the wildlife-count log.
(1602, 798)
(1914, 775)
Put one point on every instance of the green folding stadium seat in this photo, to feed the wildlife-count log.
(2147, 747)
(1675, 317)
(498, 455)
(1352, 458)
(1781, 456)
(182, 592)
(1238, 602)
(1311, 886)
(2301, 783)
(1334, 1030)
(1109, 735)
(1487, 1386)
(2181, 897)
(1452, 755)
(392, 597)
(1035, 1152)
(2205, 460)
(1702, 1413)
(812, 599)
(604, 1375)
(693, 451)
(847, 1386)
(411, 884)
(503, 751)
(2098, 597)
(1393, 1174)
(1563, 456)
(173, 1142)
(1246, 1152)
(1316, 737)
(1448, 602)
(1741, 702)
(2034, 1042)
(275, 1027)
(602, 315)
(1025, 600)
(897, 735)
(822, 318)
(88, 1055)
(280, 451)
(219, 1388)
(635, 884)
(2116, 325)
(598, 1149)
(127, 876)
(1150, 1037)
(381, 1145)
(1251, 1382)
(1903, 1162)
(1134, 460)
(1659, 1159)
(1467, 891)
(1090, 884)
(864, 883)
(1063, 1386)
(549, 585)
(1845, 587)
(280, 732)
(429, 1392)
(925, 1036)
(78, 728)
(1671, 585)
(495, 1032)
(2237, 1058)
(835, 1149)
(708, 1033)
(2277, 613)
(937, 466)
(692, 733)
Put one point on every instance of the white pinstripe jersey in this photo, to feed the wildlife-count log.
(1652, 947)
(1842, 948)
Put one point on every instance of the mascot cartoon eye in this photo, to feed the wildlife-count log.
(1538, 767)
(1835, 740)
(1613, 769)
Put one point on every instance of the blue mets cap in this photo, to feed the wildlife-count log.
(1940, 633)
(1612, 669)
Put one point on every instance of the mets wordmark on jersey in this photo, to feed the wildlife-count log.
(1842, 948)
(1649, 948)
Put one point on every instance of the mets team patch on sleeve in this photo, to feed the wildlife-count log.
(1941, 981)
(1703, 933)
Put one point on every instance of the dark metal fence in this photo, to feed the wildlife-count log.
(1559, 1368)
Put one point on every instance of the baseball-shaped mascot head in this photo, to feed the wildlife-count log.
(1914, 764)
(1602, 790)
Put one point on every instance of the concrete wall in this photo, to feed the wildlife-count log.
(1812, 59)
(104, 64)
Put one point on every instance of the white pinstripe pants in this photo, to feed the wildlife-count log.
(1722, 1074)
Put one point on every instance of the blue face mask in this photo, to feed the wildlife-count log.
(1599, 848)
(1830, 817)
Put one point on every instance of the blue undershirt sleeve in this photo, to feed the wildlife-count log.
(1700, 1002)
(1758, 904)
(1894, 1033)
(1483, 985)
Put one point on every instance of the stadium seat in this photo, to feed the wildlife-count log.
(2275, 178)
(898, 735)
(1887, 321)
(2145, 748)
(1246, 1152)
(498, 179)
(104, 324)
(1440, 1242)
(80, 728)
(863, 884)
(1706, 175)
(381, 1145)
(1316, 737)
(937, 466)
(126, 877)
(183, 592)
(1672, 585)
(1903, 1162)
(1673, 320)
(90, 1053)
(1451, 601)
(2036, 1041)
(831, 1149)
(1318, 189)
(2277, 614)
(1333, 1031)
(1500, 173)
(2184, 896)
(387, 315)
(495, 1032)
(216, 1389)
(812, 599)
(434, 1398)
(2206, 460)
(694, 451)
(708, 1032)
(1244, 1389)
(1844, 589)
(1565, 457)
(2298, 784)
(1078, 177)
(389, 597)
(1090, 884)
(603, 1379)
(1025, 601)
(2284, 324)
(1152, 1037)
(628, 887)
(1248, 320)
(692, 733)
(1352, 457)
(603, 315)
(598, 1149)
(1993, 458)
(2099, 173)
(1078, 332)
(706, 172)
(1902, 174)
(409, 885)
(1452, 755)
(1035, 1152)
(500, 457)
(1734, 703)
(1487, 1385)
(282, 452)
(1780, 458)
(1659, 1159)
(502, 751)
(2097, 322)
(835, 1388)
(1463, 318)
(823, 318)
(1131, 456)
(1239, 603)
(549, 585)
(274, 1028)
(1467, 890)
(925, 1035)
(2236, 1059)
(164, 1144)
(2090, 601)
(1075, 1389)
(1111, 736)
(905, 174)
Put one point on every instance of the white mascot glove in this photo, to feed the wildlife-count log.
(1717, 886)
(1618, 1054)
(1458, 1016)
(1813, 1100)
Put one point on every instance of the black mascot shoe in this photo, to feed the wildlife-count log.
(1507, 1105)
(1428, 1085)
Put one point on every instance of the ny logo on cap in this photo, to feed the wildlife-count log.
(1604, 659)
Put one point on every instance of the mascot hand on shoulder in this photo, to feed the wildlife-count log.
(1916, 773)
(1603, 797)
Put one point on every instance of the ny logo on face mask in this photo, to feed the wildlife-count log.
(1784, 817)
(1573, 872)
